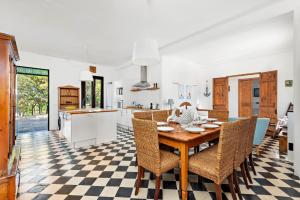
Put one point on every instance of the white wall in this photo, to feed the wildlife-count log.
(177, 69)
(283, 62)
(130, 75)
(233, 96)
(62, 72)
(261, 46)
(171, 69)
(296, 127)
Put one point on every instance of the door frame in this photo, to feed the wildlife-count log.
(247, 74)
(83, 92)
(101, 78)
(48, 107)
(239, 91)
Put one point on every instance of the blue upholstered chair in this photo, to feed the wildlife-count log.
(260, 132)
(262, 125)
(232, 119)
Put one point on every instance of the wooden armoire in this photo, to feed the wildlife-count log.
(9, 152)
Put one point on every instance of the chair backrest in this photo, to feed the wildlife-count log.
(221, 115)
(226, 150)
(241, 145)
(262, 125)
(147, 145)
(160, 115)
(183, 104)
(147, 115)
(186, 104)
(251, 132)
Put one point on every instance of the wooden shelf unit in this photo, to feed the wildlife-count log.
(68, 96)
(139, 89)
(9, 152)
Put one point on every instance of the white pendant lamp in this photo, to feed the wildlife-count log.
(86, 76)
(145, 52)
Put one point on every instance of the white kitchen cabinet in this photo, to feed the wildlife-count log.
(125, 117)
(89, 128)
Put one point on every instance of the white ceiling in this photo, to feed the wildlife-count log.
(103, 31)
(265, 38)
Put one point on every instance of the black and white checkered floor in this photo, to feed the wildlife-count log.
(50, 169)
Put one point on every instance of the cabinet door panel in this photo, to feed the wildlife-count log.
(220, 93)
(268, 95)
(245, 97)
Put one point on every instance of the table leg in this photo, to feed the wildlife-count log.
(184, 151)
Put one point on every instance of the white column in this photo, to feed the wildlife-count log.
(297, 88)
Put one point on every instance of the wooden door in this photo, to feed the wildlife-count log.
(268, 95)
(220, 93)
(245, 97)
(4, 104)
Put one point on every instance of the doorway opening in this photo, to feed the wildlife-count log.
(32, 113)
(248, 97)
(92, 93)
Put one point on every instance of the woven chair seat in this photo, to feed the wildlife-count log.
(168, 161)
(204, 163)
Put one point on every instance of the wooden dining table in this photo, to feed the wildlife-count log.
(184, 140)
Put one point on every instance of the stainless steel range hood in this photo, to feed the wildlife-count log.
(143, 83)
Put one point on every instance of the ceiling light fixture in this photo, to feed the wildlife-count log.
(145, 52)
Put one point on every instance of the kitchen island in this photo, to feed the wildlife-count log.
(84, 127)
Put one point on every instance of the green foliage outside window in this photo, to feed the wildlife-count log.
(32, 95)
(98, 94)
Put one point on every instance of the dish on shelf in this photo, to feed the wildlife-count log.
(165, 128)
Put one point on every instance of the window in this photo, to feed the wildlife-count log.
(92, 93)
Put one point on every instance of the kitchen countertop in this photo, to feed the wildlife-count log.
(148, 109)
(141, 109)
(89, 110)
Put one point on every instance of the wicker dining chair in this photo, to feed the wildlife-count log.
(215, 162)
(221, 115)
(149, 115)
(160, 115)
(249, 148)
(146, 115)
(150, 157)
(239, 156)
